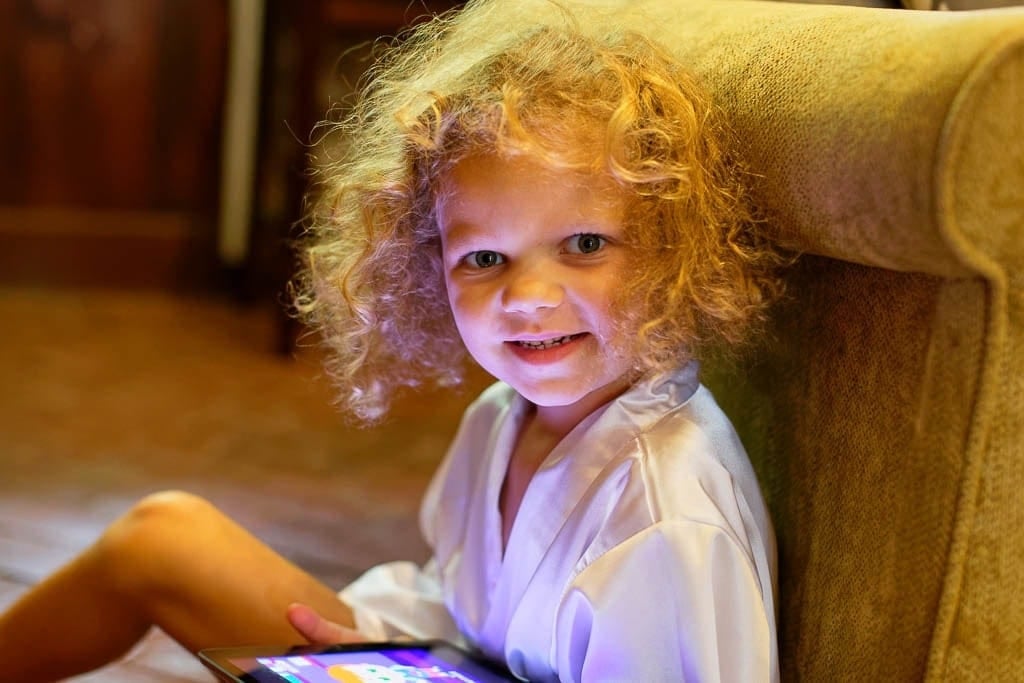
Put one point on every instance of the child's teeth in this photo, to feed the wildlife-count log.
(545, 344)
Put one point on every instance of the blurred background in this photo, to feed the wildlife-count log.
(154, 157)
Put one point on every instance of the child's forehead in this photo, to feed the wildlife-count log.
(492, 194)
(492, 176)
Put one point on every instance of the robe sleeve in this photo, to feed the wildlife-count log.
(400, 600)
(679, 601)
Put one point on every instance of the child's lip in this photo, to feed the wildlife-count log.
(545, 336)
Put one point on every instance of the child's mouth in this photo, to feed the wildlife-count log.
(549, 343)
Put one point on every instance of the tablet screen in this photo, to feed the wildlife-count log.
(388, 663)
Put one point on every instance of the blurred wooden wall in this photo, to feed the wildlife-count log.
(110, 133)
(109, 139)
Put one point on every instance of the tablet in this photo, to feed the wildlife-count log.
(393, 662)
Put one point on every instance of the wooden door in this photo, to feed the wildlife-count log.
(109, 139)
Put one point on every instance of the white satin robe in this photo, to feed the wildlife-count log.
(642, 550)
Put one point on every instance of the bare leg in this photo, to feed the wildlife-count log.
(172, 561)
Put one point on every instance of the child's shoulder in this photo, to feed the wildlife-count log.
(672, 430)
(693, 435)
(489, 412)
(497, 394)
(495, 400)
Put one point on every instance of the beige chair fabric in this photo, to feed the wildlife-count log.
(886, 413)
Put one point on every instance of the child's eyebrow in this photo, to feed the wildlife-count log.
(457, 235)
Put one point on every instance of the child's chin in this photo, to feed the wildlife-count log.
(548, 397)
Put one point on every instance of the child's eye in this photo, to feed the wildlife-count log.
(483, 259)
(585, 243)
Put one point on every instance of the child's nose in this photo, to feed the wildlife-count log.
(531, 289)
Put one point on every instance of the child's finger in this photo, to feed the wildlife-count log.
(317, 630)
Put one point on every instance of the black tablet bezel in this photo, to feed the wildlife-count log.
(219, 660)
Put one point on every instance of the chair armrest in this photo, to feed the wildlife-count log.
(889, 138)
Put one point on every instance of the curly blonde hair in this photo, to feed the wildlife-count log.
(595, 100)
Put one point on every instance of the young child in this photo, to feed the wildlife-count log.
(554, 197)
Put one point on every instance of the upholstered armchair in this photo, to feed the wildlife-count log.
(885, 412)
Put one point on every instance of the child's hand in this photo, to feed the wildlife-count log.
(317, 630)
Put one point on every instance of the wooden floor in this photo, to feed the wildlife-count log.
(106, 396)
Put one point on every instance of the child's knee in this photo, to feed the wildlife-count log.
(142, 548)
(168, 507)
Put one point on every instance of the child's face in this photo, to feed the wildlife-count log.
(532, 258)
